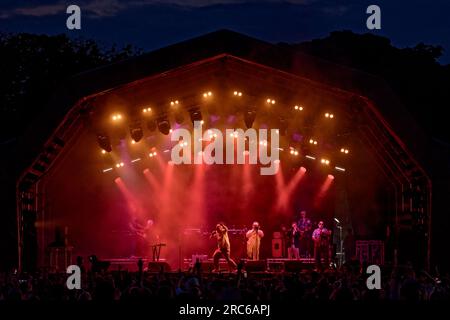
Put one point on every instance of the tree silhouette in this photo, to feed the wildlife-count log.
(414, 74)
(31, 68)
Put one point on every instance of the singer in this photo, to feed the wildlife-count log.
(223, 247)
(254, 241)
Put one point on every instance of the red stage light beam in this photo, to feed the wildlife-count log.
(323, 189)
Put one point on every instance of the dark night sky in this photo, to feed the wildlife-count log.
(150, 24)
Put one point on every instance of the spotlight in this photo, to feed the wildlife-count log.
(270, 101)
(237, 93)
(325, 161)
(146, 110)
(293, 151)
(152, 154)
(312, 141)
(329, 115)
(103, 152)
(344, 150)
(174, 103)
(207, 94)
(298, 108)
(164, 126)
(196, 115)
(249, 118)
(136, 131)
(116, 117)
(104, 142)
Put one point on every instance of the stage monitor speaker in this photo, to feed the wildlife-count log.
(158, 266)
(294, 266)
(277, 248)
(255, 266)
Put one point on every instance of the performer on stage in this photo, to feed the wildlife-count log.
(304, 225)
(321, 238)
(223, 246)
(141, 236)
(293, 236)
(254, 241)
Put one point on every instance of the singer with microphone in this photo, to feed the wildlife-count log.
(321, 238)
(254, 241)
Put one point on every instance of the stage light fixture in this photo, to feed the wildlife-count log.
(298, 108)
(174, 103)
(312, 141)
(237, 93)
(104, 142)
(293, 151)
(249, 118)
(120, 164)
(325, 161)
(103, 151)
(270, 101)
(116, 117)
(207, 94)
(152, 154)
(329, 115)
(164, 126)
(196, 115)
(136, 132)
(147, 110)
(344, 150)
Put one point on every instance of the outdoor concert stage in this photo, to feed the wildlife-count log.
(348, 154)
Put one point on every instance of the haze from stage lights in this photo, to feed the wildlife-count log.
(235, 139)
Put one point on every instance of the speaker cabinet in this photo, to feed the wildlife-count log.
(277, 248)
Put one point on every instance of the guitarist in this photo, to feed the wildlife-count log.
(140, 236)
(321, 238)
(304, 226)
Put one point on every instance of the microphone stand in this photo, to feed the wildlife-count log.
(340, 253)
